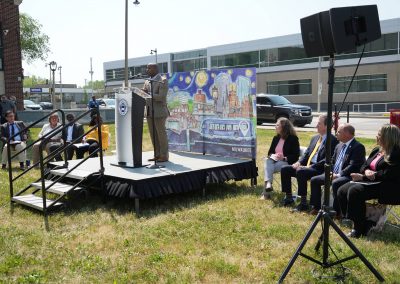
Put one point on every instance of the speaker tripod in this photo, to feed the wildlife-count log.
(324, 214)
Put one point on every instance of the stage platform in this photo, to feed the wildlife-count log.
(183, 172)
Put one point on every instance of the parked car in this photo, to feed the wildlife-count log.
(30, 105)
(46, 105)
(271, 107)
(101, 102)
(110, 103)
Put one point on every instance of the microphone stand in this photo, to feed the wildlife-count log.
(155, 165)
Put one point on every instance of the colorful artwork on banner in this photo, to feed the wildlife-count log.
(213, 112)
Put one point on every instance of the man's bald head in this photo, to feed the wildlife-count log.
(152, 69)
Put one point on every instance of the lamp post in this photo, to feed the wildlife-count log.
(61, 92)
(126, 75)
(91, 74)
(154, 51)
(53, 68)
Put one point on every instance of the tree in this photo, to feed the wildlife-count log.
(34, 43)
(97, 85)
(32, 81)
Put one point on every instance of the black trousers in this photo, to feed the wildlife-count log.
(317, 182)
(302, 175)
(70, 151)
(93, 145)
(54, 148)
(352, 197)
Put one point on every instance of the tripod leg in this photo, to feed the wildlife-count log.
(319, 242)
(356, 251)
(300, 247)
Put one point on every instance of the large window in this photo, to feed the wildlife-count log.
(189, 54)
(119, 73)
(361, 84)
(284, 56)
(244, 59)
(189, 65)
(291, 87)
(385, 45)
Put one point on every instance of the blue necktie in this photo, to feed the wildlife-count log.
(339, 160)
(12, 130)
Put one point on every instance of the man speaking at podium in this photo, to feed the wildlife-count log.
(158, 135)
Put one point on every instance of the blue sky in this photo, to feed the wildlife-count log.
(80, 29)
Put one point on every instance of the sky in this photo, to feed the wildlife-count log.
(81, 29)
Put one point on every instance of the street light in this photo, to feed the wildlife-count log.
(136, 2)
(61, 92)
(53, 68)
(154, 51)
(91, 74)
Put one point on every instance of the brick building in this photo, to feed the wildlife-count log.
(11, 73)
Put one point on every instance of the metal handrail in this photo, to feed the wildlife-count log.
(10, 157)
(45, 160)
(58, 151)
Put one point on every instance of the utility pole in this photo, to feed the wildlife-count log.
(91, 74)
(126, 78)
(319, 91)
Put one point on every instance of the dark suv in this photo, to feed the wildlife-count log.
(272, 107)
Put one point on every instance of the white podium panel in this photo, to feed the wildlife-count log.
(123, 126)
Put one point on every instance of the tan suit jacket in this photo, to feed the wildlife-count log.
(160, 90)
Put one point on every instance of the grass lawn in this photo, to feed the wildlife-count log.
(227, 236)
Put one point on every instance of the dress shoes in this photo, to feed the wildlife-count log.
(346, 222)
(268, 189)
(314, 211)
(162, 159)
(301, 208)
(354, 234)
(267, 193)
(287, 201)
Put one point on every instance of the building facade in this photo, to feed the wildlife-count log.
(11, 73)
(283, 69)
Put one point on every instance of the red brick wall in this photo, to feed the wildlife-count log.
(12, 62)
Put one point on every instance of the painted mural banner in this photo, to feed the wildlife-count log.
(213, 112)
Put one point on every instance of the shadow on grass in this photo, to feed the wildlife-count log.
(388, 234)
(168, 203)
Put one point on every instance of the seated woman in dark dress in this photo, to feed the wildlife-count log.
(379, 178)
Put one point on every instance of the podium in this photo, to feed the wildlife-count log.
(129, 112)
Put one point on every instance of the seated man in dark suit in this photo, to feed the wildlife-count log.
(311, 164)
(348, 158)
(74, 130)
(18, 143)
